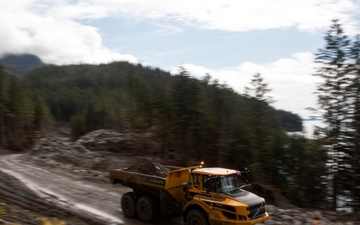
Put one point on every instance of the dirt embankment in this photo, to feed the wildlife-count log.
(21, 205)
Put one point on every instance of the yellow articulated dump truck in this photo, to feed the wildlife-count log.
(204, 196)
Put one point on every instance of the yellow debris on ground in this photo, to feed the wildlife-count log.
(46, 221)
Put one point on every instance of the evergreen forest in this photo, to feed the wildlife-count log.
(203, 119)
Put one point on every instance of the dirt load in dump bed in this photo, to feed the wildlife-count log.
(154, 169)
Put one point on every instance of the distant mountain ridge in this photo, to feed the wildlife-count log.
(21, 63)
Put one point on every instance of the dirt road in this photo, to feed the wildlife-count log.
(96, 203)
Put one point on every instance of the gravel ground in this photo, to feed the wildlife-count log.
(22, 206)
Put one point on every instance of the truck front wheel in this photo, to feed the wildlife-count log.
(128, 204)
(196, 217)
(146, 208)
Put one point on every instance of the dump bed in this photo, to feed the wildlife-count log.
(172, 184)
(134, 179)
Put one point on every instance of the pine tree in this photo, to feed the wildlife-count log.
(261, 129)
(163, 116)
(332, 99)
(354, 131)
(215, 110)
(259, 89)
(42, 116)
(13, 121)
(185, 98)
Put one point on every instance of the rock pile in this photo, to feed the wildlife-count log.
(54, 149)
(297, 216)
(91, 156)
(150, 168)
(105, 140)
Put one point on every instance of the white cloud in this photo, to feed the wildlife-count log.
(53, 30)
(53, 40)
(290, 79)
(227, 15)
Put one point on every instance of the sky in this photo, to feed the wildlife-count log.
(229, 39)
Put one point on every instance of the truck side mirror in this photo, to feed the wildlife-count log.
(245, 174)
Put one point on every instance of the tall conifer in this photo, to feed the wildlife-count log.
(332, 99)
(354, 130)
(260, 128)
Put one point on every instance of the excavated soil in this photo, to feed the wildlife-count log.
(150, 168)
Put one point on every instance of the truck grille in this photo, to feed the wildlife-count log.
(230, 215)
(257, 211)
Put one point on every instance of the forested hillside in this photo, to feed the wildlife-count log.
(183, 112)
(178, 117)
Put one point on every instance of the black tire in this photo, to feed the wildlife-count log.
(128, 204)
(146, 208)
(196, 217)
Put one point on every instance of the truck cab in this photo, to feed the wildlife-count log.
(215, 192)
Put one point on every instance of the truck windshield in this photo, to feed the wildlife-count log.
(228, 183)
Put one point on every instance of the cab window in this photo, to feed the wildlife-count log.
(196, 178)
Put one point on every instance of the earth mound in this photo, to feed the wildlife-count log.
(149, 168)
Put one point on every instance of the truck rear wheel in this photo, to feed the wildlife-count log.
(147, 209)
(128, 204)
(196, 217)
